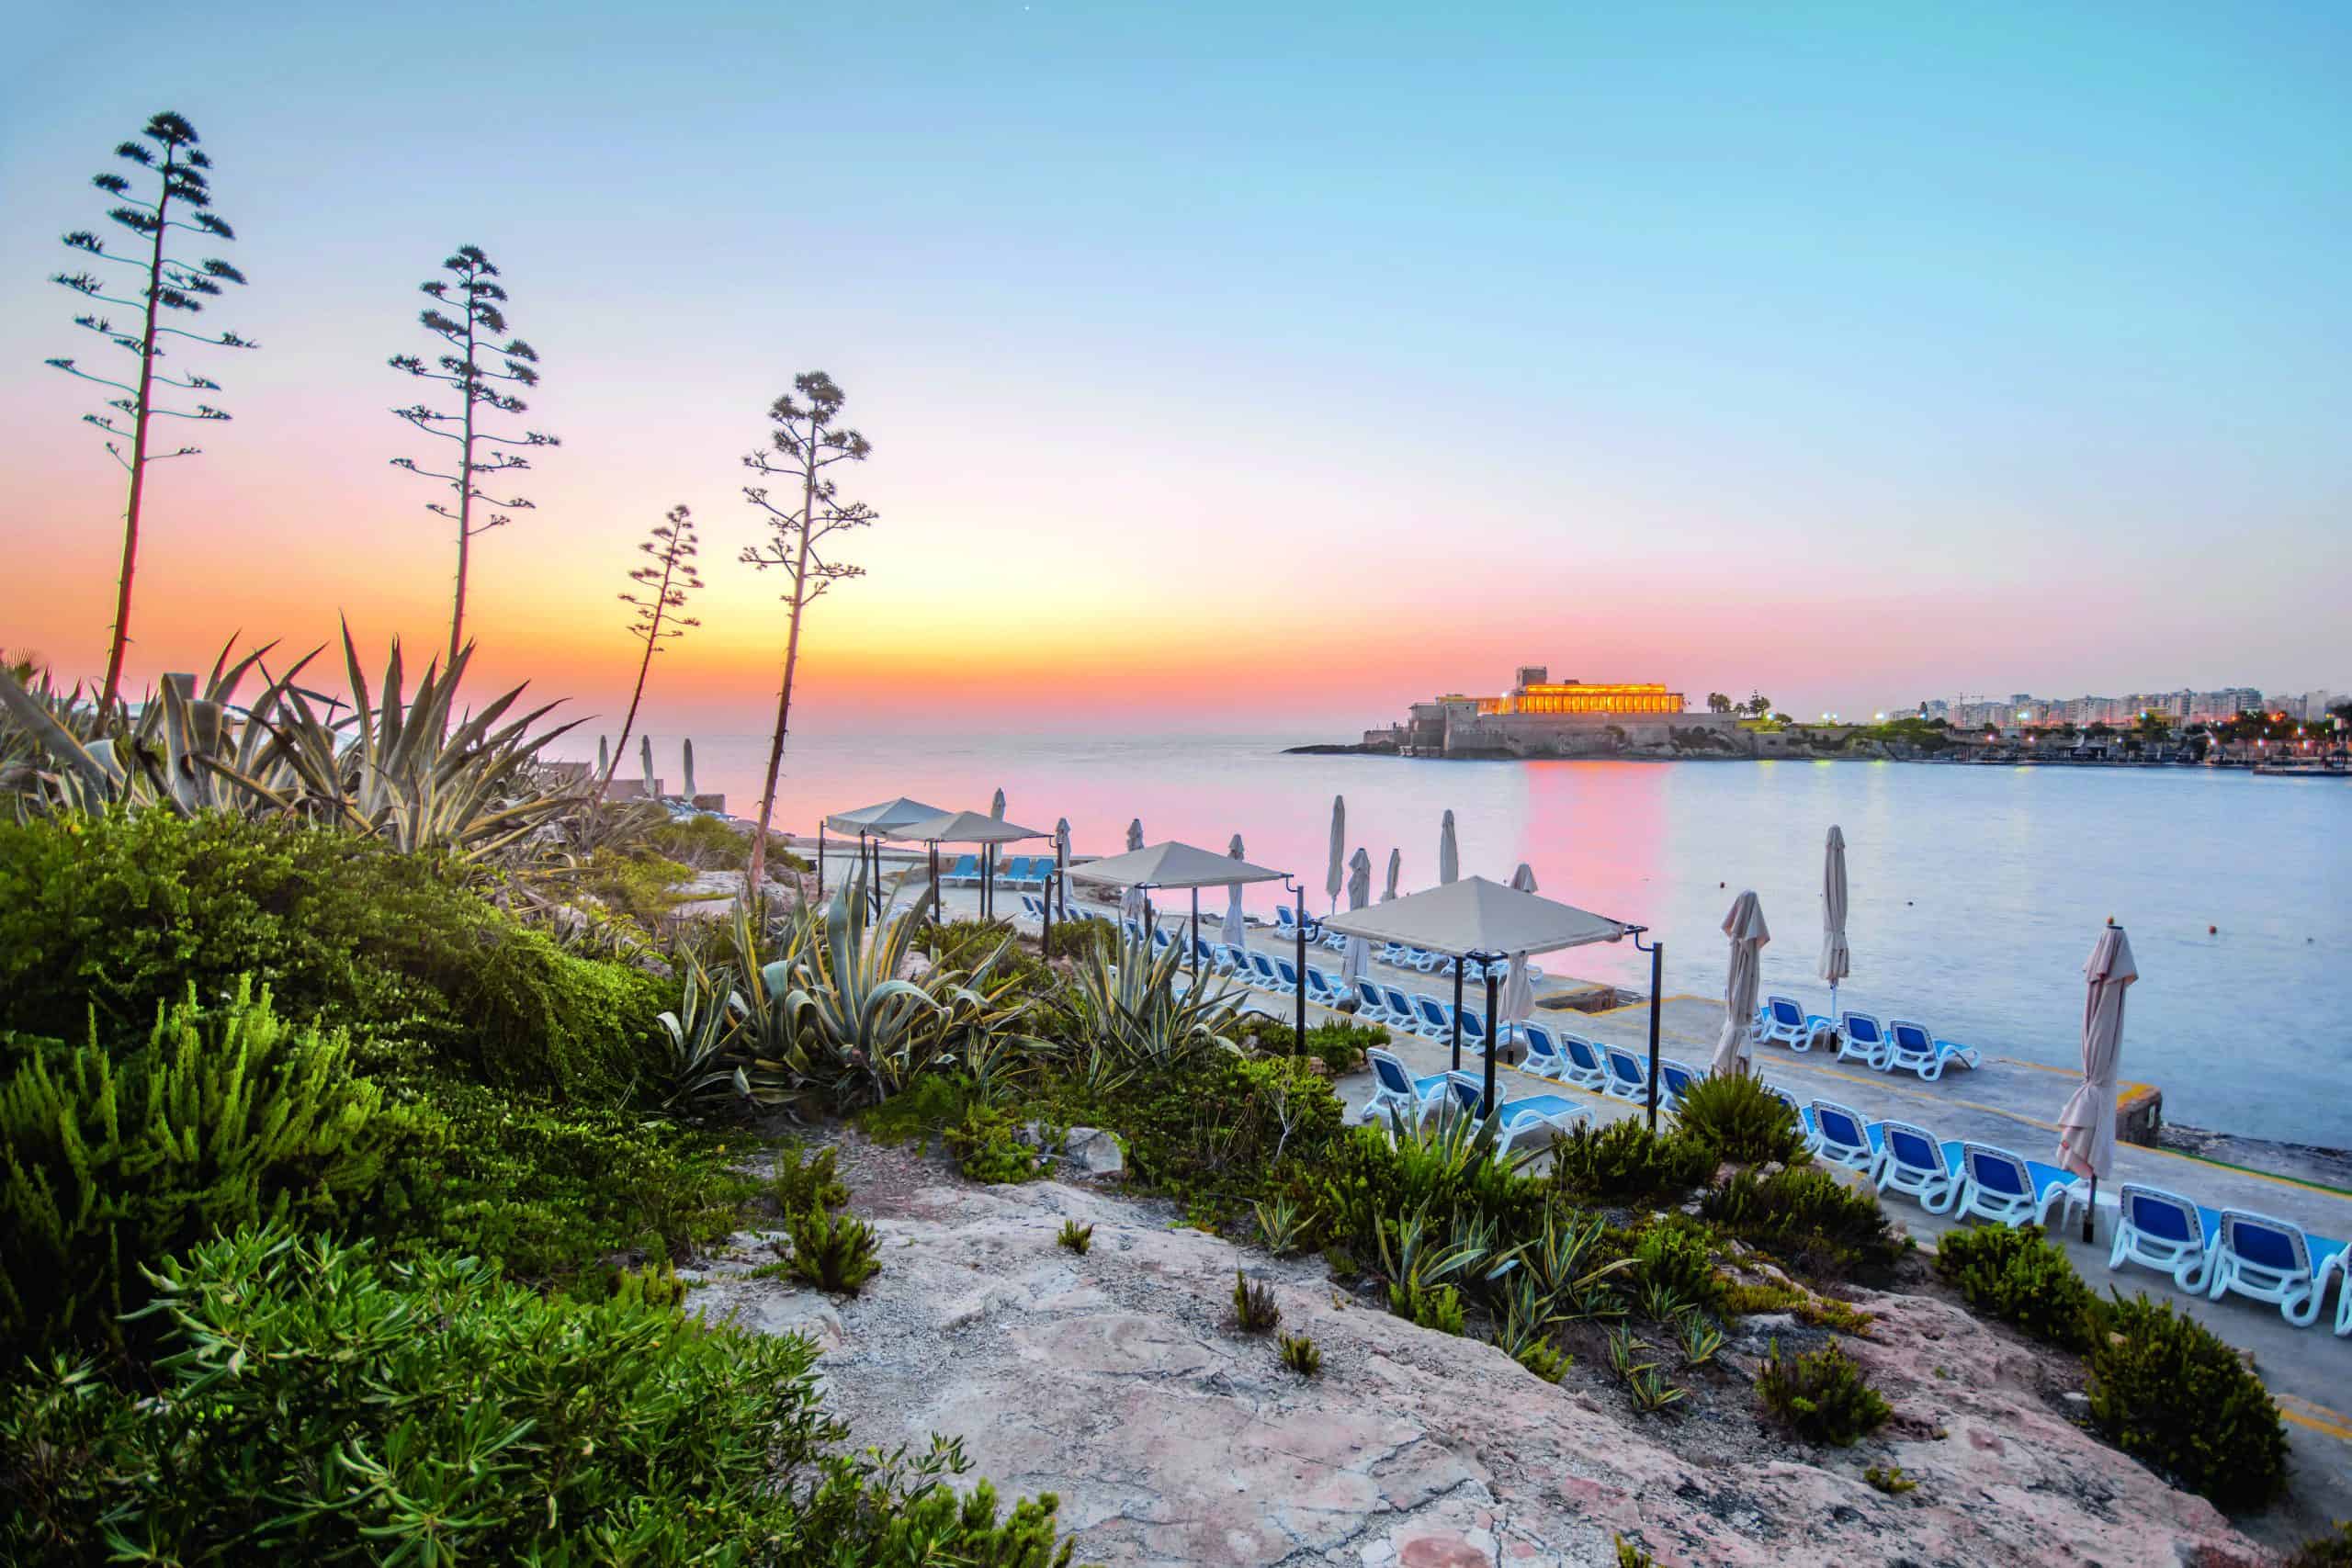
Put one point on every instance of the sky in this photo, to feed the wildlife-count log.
(1233, 367)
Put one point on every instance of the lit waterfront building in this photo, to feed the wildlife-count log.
(1542, 718)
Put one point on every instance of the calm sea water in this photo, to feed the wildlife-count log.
(1976, 893)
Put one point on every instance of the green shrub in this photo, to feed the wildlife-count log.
(1299, 1354)
(2016, 1274)
(2167, 1391)
(964, 944)
(1680, 1259)
(804, 1179)
(1631, 1556)
(1253, 1305)
(1214, 1133)
(1083, 940)
(553, 1191)
(125, 914)
(1079, 1238)
(926, 1110)
(316, 1405)
(1339, 1042)
(1823, 1397)
(832, 1252)
(110, 1157)
(1430, 1306)
(1734, 1118)
(1891, 1480)
(2333, 1550)
(987, 1147)
(1819, 1312)
(1545, 1360)
(1365, 1181)
(1626, 1164)
(1810, 1220)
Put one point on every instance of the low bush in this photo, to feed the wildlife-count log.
(1810, 1220)
(987, 1147)
(2333, 1550)
(965, 944)
(1083, 940)
(1734, 1118)
(1214, 1133)
(1300, 1355)
(2016, 1274)
(1430, 1306)
(1823, 1397)
(553, 1192)
(1341, 1044)
(1626, 1165)
(115, 1152)
(1819, 1312)
(316, 1405)
(1077, 1238)
(1890, 1480)
(2169, 1392)
(1678, 1259)
(124, 914)
(805, 1178)
(1365, 1180)
(832, 1252)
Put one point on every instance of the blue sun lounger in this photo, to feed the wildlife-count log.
(2272, 1260)
(1629, 1076)
(2009, 1189)
(1394, 1087)
(2165, 1232)
(1911, 1046)
(1529, 1117)
(1781, 1018)
(1912, 1160)
(1859, 1039)
(1582, 1063)
(1840, 1136)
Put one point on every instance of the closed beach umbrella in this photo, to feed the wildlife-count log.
(1332, 876)
(645, 756)
(690, 772)
(2087, 1127)
(1061, 857)
(1396, 864)
(1744, 926)
(1237, 930)
(996, 806)
(1131, 902)
(1518, 991)
(1836, 962)
(1359, 953)
(1449, 858)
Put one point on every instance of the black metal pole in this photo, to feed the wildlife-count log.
(1149, 924)
(1658, 969)
(821, 859)
(936, 906)
(1300, 1044)
(1046, 924)
(1061, 889)
(1196, 933)
(1491, 1051)
(1457, 1015)
(2091, 1209)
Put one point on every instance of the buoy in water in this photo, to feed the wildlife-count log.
(2213, 930)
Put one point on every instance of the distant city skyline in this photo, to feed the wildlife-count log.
(1240, 367)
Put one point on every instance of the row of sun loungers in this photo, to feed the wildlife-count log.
(1287, 928)
(2206, 1251)
(1860, 1037)
(1020, 870)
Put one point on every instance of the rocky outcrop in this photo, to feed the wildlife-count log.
(1118, 1381)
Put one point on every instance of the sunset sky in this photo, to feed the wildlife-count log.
(1228, 364)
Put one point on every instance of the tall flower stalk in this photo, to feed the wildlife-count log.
(662, 585)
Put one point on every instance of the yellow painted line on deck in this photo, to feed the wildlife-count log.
(2317, 1417)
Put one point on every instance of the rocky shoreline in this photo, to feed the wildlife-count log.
(1117, 1380)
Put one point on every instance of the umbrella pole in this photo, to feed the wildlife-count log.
(1196, 935)
(1492, 1049)
(1061, 889)
(1457, 1016)
(935, 905)
(2091, 1209)
(1658, 966)
(821, 859)
(1300, 1044)
(1045, 927)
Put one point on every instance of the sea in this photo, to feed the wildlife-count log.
(1976, 892)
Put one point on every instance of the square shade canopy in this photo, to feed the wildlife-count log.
(879, 820)
(1476, 917)
(1172, 864)
(961, 828)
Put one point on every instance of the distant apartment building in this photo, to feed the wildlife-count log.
(2023, 710)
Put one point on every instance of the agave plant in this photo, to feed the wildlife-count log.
(692, 1062)
(837, 1022)
(1127, 1005)
(410, 769)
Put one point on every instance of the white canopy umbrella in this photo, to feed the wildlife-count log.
(1449, 858)
(2087, 1127)
(962, 827)
(1476, 917)
(1836, 960)
(1744, 926)
(1396, 866)
(1332, 876)
(877, 821)
(1359, 954)
(1518, 991)
(1237, 929)
(1174, 865)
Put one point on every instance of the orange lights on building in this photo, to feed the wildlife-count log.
(1578, 697)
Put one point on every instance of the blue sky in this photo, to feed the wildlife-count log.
(2015, 338)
